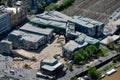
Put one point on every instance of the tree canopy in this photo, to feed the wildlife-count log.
(85, 54)
(93, 73)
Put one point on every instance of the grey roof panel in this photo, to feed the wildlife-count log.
(27, 36)
(72, 45)
(31, 28)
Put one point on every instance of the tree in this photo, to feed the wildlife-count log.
(33, 59)
(93, 73)
(78, 57)
(110, 43)
(103, 52)
(84, 53)
(40, 8)
(74, 78)
(65, 4)
(26, 66)
(9, 3)
(92, 50)
(70, 66)
(52, 6)
(88, 50)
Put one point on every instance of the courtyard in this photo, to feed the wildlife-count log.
(48, 52)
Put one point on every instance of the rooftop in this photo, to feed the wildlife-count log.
(13, 9)
(87, 22)
(27, 36)
(51, 68)
(55, 17)
(5, 41)
(31, 28)
(49, 23)
(50, 61)
(87, 39)
(109, 39)
(72, 45)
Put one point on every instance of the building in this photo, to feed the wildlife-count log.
(5, 46)
(88, 26)
(18, 3)
(113, 24)
(76, 40)
(50, 66)
(30, 37)
(26, 40)
(84, 38)
(116, 15)
(59, 27)
(4, 22)
(70, 47)
(60, 21)
(109, 39)
(52, 19)
(17, 14)
(29, 28)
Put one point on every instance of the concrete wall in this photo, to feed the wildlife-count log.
(5, 47)
(4, 23)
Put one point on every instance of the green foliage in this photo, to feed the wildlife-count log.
(93, 49)
(74, 78)
(85, 54)
(70, 66)
(78, 57)
(9, 3)
(93, 73)
(29, 9)
(111, 45)
(26, 66)
(52, 6)
(40, 8)
(3, 1)
(33, 59)
(104, 69)
(65, 4)
(103, 52)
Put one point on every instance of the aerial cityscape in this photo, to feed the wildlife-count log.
(59, 39)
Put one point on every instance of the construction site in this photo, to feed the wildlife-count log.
(58, 35)
(98, 10)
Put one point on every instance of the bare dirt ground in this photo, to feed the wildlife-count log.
(47, 53)
(95, 9)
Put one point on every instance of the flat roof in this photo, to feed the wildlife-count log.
(6, 41)
(87, 39)
(72, 45)
(27, 36)
(31, 28)
(109, 39)
(13, 9)
(51, 68)
(86, 22)
(55, 16)
(49, 23)
(51, 61)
